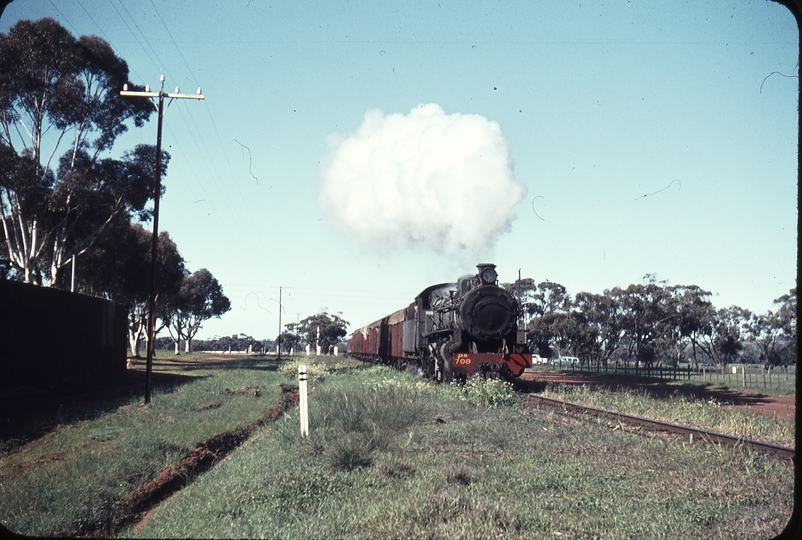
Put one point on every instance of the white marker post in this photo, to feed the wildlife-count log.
(303, 403)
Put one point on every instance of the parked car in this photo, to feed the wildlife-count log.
(566, 361)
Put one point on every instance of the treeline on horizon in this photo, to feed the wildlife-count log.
(323, 329)
(653, 323)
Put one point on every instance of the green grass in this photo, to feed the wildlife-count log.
(708, 414)
(390, 457)
(65, 483)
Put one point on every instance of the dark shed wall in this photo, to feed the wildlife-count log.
(52, 337)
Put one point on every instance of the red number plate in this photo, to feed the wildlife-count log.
(463, 360)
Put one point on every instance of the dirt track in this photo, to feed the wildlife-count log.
(782, 407)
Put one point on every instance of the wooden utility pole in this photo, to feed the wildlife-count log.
(157, 188)
(279, 323)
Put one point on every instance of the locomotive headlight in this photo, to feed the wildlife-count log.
(489, 275)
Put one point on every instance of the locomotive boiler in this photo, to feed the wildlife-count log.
(451, 331)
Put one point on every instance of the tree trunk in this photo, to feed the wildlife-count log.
(133, 340)
(187, 345)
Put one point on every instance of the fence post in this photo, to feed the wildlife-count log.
(303, 403)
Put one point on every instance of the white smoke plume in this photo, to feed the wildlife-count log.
(426, 178)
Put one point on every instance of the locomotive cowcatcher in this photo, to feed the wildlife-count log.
(451, 331)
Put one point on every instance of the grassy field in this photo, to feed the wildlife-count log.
(67, 482)
(388, 456)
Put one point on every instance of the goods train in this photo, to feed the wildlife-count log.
(451, 331)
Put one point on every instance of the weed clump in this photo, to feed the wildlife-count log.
(486, 393)
(352, 451)
(392, 468)
(456, 473)
(350, 423)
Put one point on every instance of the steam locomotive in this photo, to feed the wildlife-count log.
(451, 331)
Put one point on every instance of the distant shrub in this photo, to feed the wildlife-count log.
(314, 371)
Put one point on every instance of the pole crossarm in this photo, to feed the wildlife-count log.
(131, 93)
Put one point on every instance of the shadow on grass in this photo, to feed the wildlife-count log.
(29, 413)
(179, 364)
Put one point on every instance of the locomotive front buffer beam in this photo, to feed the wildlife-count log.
(508, 365)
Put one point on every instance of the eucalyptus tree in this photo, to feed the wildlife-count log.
(649, 311)
(551, 297)
(60, 113)
(289, 341)
(694, 315)
(550, 326)
(118, 268)
(524, 290)
(774, 333)
(602, 324)
(199, 298)
(723, 338)
(322, 329)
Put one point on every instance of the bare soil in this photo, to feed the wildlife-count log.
(780, 407)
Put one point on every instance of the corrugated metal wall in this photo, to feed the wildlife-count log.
(48, 336)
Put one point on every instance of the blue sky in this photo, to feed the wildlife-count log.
(583, 143)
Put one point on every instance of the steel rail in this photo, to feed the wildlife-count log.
(784, 452)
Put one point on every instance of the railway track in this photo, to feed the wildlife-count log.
(524, 389)
(576, 409)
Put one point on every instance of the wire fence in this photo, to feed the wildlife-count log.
(746, 375)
